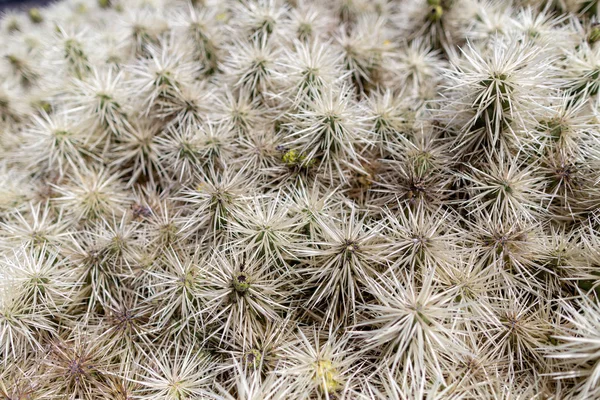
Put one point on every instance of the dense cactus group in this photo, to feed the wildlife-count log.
(298, 199)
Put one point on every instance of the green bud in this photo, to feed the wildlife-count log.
(13, 26)
(43, 105)
(241, 282)
(435, 13)
(594, 35)
(291, 158)
(35, 15)
(254, 358)
(327, 376)
(14, 60)
(81, 8)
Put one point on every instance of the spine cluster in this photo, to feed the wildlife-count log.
(298, 199)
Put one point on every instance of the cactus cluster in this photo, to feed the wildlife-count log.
(300, 199)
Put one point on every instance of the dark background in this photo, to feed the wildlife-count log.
(16, 4)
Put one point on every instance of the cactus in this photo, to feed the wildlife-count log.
(300, 199)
